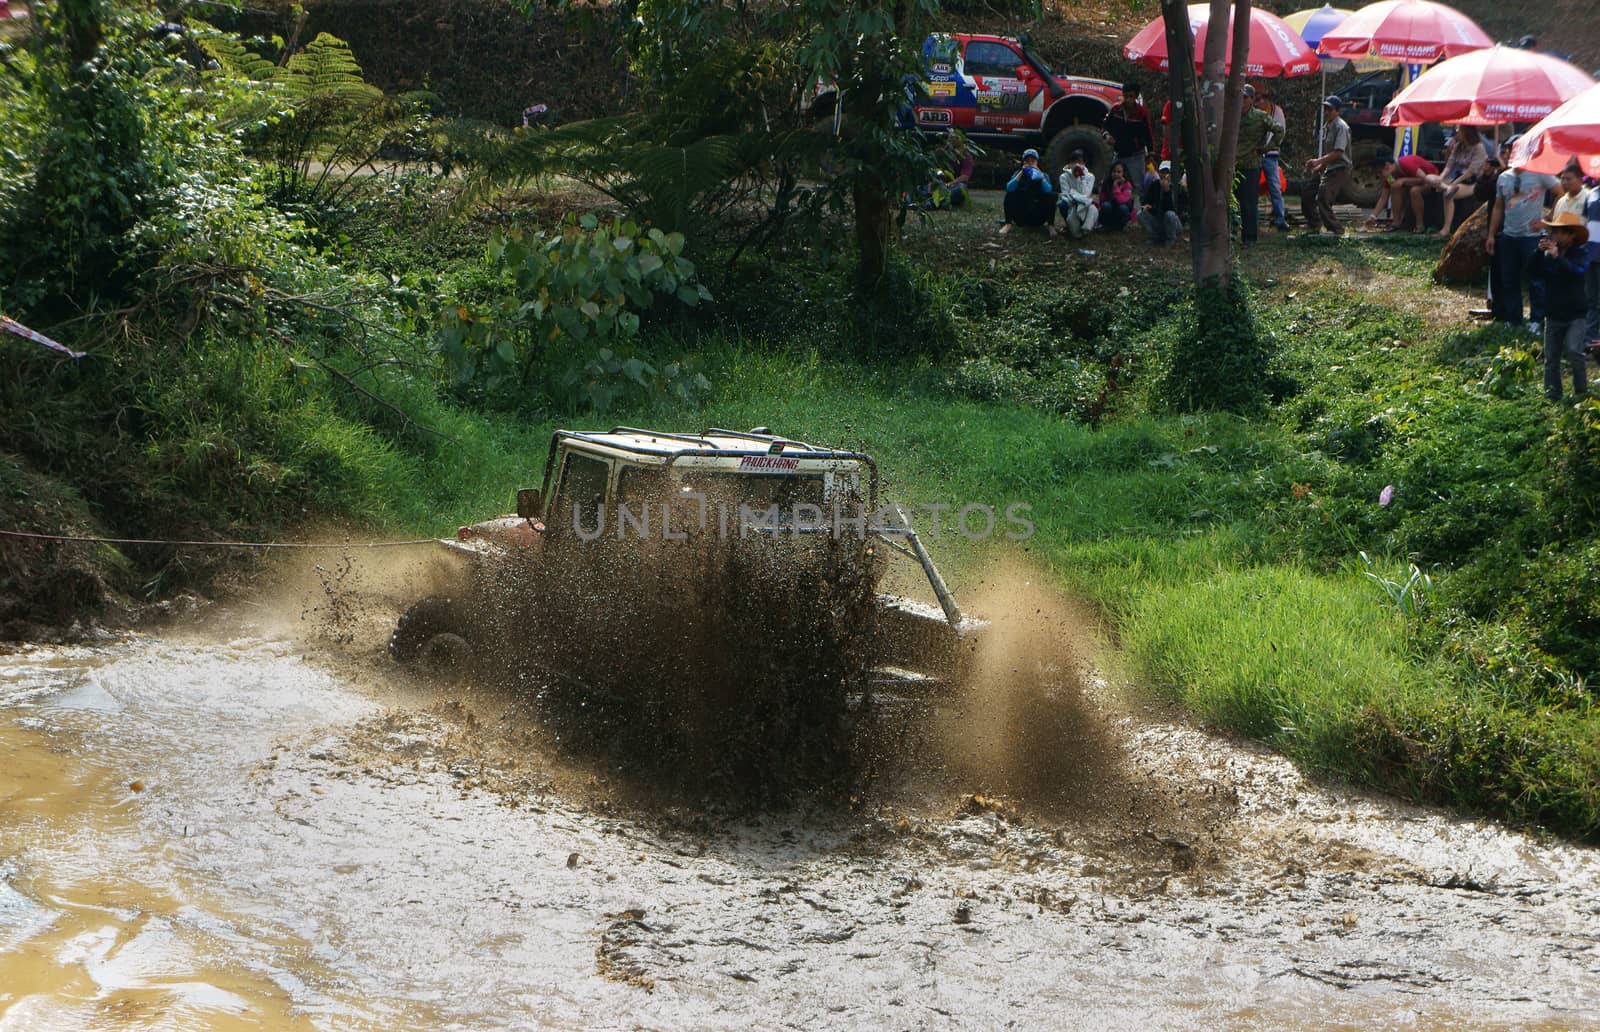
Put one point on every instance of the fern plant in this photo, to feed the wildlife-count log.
(314, 117)
(722, 133)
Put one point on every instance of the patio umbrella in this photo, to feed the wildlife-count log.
(1312, 24)
(1275, 49)
(1412, 31)
(1571, 131)
(1489, 87)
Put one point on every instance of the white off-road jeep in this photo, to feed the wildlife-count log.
(636, 532)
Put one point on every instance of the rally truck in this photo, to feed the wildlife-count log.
(647, 560)
(1001, 94)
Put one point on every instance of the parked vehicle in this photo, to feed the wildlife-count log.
(1002, 95)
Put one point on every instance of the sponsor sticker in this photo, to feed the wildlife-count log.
(933, 116)
(940, 69)
(769, 464)
(941, 89)
(1012, 87)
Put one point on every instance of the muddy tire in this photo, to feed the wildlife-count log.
(1365, 182)
(432, 632)
(1096, 152)
(446, 654)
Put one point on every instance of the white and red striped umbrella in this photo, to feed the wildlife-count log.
(1489, 87)
(1275, 49)
(1570, 132)
(1409, 31)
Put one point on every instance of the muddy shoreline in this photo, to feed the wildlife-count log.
(322, 843)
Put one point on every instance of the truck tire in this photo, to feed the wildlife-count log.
(432, 633)
(1087, 138)
(1365, 183)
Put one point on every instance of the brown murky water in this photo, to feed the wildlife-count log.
(231, 835)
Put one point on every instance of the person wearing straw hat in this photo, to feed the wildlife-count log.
(1562, 263)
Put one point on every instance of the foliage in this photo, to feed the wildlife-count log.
(1408, 596)
(1220, 360)
(1572, 491)
(570, 300)
(81, 162)
(671, 181)
(860, 54)
(317, 120)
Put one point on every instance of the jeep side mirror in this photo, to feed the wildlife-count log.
(1025, 72)
(528, 503)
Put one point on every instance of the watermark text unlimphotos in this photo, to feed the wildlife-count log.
(692, 514)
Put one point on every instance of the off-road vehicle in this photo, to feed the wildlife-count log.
(643, 550)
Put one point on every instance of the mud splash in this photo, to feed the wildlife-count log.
(333, 844)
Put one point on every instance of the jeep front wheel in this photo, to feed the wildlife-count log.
(1366, 182)
(433, 634)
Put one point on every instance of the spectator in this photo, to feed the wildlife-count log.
(958, 161)
(1561, 263)
(1255, 136)
(1571, 195)
(1483, 189)
(1160, 214)
(1271, 163)
(1512, 240)
(1030, 199)
(1079, 212)
(1116, 200)
(1398, 179)
(1329, 173)
(1483, 193)
(1464, 162)
(1128, 130)
(1591, 213)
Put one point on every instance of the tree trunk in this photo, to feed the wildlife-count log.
(1185, 115)
(874, 222)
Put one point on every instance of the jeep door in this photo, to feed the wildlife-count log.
(1003, 97)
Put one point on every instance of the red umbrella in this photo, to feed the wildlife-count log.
(1275, 48)
(1488, 87)
(1572, 131)
(1411, 31)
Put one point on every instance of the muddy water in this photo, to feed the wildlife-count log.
(197, 835)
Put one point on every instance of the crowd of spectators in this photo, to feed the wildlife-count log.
(1543, 232)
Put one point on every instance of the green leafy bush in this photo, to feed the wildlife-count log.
(1221, 360)
(570, 301)
(1572, 490)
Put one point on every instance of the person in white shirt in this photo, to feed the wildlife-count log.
(1571, 197)
(1079, 208)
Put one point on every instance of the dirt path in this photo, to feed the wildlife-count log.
(229, 835)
